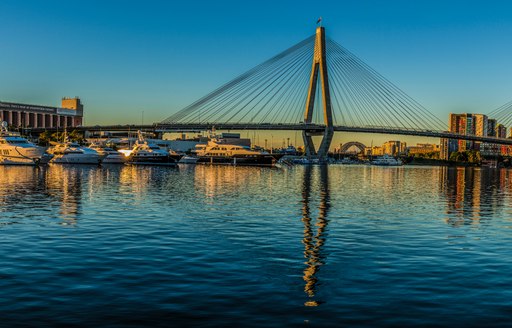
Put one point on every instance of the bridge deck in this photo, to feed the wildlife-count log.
(315, 128)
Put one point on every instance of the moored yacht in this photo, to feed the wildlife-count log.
(215, 152)
(145, 153)
(110, 155)
(386, 160)
(16, 150)
(73, 153)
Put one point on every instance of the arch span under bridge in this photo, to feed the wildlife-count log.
(345, 147)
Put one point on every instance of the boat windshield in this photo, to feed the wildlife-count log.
(17, 141)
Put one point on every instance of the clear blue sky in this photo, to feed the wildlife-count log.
(125, 57)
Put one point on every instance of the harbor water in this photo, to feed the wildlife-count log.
(219, 246)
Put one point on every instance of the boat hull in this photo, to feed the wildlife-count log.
(8, 160)
(188, 160)
(245, 161)
(114, 159)
(76, 159)
(19, 160)
(149, 160)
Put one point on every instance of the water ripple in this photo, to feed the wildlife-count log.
(232, 246)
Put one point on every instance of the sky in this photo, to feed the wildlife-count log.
(141, 61)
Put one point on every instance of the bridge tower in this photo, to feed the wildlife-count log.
(319, 67)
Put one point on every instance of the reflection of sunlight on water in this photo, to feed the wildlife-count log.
(64, 182)
(314, 240)
(217, 180)
(17, 183)
(135, 180)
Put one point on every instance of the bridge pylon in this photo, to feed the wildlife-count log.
(319, 67)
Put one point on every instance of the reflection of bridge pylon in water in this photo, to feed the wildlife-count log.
(319, 67)
(313, 243)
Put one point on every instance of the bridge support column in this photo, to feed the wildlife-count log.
(309, 146)
(319, 67)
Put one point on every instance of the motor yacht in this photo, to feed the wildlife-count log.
(110, 155)
(386, 160)
(73, 153)
(145, 153)
(16, 150)
(215, 152)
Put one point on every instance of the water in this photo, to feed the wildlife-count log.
(233, 246)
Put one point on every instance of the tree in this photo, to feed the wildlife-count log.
(474, 156)
(45, 138)
(76, 136)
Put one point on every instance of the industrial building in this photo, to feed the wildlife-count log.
(17, 115)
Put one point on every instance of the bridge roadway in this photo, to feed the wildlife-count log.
(313, 128)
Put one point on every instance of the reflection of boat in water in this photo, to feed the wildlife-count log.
(348, 161)
(16, 150)
(386, 160)
(144, 153)
(223, 153)
(73, 153)
(110, 155)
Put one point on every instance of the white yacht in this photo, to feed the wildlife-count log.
(386, 160)
(16, 150)
(73, 153)
(215, 152)
(110, 155)
(145, 153)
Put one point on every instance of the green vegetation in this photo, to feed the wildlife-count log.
(46, 137)
(468, 156)
(429, 155)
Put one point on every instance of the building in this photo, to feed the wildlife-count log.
(501, 131)
(477, 125)
(491, 127)
(481, 125)
(462, 124)
(17, 115)
(447, 147)
(393, 147)
(481, 128)
(423, 148)
(373, 151)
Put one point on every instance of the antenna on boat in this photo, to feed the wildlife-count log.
(4, 125)
(140, 136)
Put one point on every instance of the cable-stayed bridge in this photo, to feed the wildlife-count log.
(317, 87)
